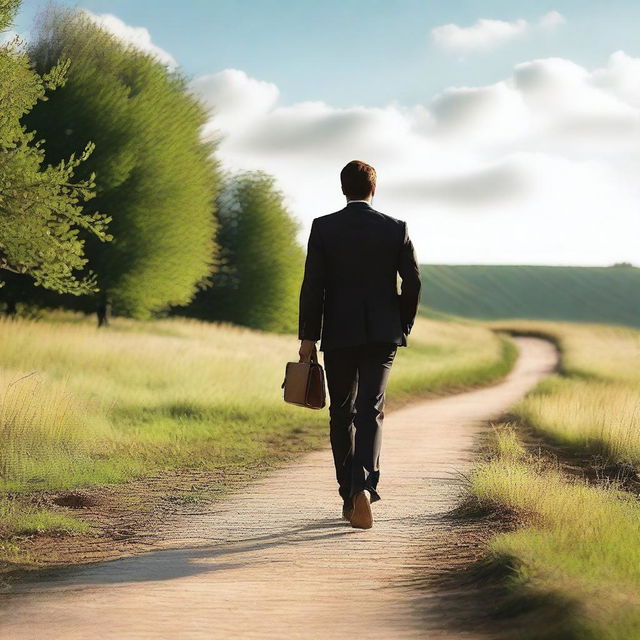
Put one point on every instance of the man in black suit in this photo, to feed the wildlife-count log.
(349, 300)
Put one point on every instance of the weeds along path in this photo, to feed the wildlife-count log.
(277, 561)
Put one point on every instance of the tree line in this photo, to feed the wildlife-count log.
(110, 200)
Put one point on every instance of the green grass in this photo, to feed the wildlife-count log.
(595, 405)
(17, 520)
(587, 415)
(84, 407)
(581, 294)
(579, 553)
(448, 356)
(22, 520)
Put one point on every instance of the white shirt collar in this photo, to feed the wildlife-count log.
(367, 201)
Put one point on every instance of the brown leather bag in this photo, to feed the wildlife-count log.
(304, 383)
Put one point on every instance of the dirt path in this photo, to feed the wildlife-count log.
(277, 561)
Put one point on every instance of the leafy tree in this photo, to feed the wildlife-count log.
(260, 263)
(154, 175)
(41, 207)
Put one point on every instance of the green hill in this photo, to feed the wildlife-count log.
(583, 294)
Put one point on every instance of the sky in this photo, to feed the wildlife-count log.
(502, 132)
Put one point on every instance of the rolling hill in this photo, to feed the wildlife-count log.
(582, 294)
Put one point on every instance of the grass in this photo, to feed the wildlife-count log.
(579, 552)
(29, 520)
(580, 294)
(595, 405)
(578, 555)
(85, 407)
(448, 356)
(589, 416)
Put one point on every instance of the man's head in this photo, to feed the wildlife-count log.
(358, 180)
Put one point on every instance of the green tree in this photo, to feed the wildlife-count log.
(154, 174)
(260, 262)
(41, 207)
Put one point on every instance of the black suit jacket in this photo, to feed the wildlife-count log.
(349, 294)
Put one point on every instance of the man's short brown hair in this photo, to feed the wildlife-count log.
(358, 180)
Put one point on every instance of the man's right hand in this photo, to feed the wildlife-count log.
(307, 347)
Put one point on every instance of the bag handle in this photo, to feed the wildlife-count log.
(313, 358)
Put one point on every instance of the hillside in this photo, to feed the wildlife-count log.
(584, 294)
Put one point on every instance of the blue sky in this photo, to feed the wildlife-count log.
(503, 132)
(361, 51)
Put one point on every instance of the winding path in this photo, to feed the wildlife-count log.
(277, 561)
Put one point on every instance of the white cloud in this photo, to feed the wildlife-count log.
(540, 167)
(620, 78)
(488, 185)
(234, 97)
(136, 37)
(484, 34)
(487, 34)
(551, 20)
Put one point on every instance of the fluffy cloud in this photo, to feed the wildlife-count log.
(137, 37)
(540, 167)
(488, 34)
(234, 97)
(551, 20)
(484, 34)
(488, 185)
(620, 78)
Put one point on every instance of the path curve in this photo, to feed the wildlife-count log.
(276, 561)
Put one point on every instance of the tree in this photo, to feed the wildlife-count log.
(41, 207)
(260, 263)
(154, 175)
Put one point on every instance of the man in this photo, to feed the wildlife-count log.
(349, 300)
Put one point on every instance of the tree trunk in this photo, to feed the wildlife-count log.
(104, 313)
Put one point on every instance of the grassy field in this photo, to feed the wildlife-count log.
(578, 557)
(84, 407)
(595, 405)
(583, 294)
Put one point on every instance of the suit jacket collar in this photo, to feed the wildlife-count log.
(358, 205)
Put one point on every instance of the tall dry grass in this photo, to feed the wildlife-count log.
(595, 404)
(595, 416)
(81, 406)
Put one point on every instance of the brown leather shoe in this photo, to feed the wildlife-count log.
(361, 516)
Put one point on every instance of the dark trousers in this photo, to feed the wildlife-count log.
(357, 378)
